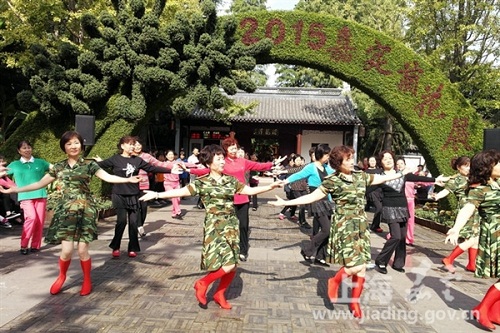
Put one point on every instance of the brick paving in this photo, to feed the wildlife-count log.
(274, 291)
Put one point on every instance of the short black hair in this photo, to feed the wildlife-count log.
(68, 136)
(208, 153)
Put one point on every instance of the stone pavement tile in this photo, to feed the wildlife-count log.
(272, 292)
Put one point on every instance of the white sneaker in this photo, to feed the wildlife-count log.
(5, 224)
(141, 232)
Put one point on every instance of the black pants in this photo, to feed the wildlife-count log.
(123, 216)
(242, 214)
(302, 208)
(7, 203)
(375, 199)
(289, 196)
(254, 201)
(317, 246)
(397, 245)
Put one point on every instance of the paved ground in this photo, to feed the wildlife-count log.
(274, 291)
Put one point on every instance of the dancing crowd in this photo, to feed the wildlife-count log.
(331, 188)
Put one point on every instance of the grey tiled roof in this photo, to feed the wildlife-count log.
(294, 106)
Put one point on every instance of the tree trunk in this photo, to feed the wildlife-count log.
(388, 138)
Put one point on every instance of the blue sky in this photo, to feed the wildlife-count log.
(281, 4)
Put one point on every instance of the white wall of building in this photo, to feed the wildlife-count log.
(314, 137)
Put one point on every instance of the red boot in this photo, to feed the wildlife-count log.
(494, 313)
(357, 289)
(202, 284)
(480, 312)
(448, 261)
(471, 266)
(224, 283)
(87, 281)
(334, 283)
(63, 269)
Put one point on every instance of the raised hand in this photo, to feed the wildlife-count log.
(279, 160)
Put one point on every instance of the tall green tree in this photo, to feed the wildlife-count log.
(243, 6)
(258, 75)
(139, 64)
(462, 38)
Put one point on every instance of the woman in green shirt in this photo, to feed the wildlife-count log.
(28, 170)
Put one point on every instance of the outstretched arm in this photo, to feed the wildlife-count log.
(179, 192)
(261, 189)
(46, 180)
(463, 216)
(440, 194)
(102, 174)
(379, 179)
(305, 199)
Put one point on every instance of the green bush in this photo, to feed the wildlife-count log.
(431, 211)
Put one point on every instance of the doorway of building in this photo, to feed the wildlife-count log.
(266, 148)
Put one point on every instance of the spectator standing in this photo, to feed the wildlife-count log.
(25, 171)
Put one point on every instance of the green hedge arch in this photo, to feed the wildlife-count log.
(420, 97)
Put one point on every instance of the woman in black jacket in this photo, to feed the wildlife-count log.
(395, 213)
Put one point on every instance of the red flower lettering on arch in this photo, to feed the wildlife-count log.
(343, 50)
(458, 137)
(430, 103)
(411, 76)
(378, 51)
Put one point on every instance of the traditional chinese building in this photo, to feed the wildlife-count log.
(285, 120)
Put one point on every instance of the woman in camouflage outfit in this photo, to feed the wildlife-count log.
(349, 243)
(457, 185)
(484, 196)
(75, 214)
(220, 251)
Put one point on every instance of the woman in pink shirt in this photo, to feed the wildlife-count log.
(171, 182)
(144, 184)
(410, 197)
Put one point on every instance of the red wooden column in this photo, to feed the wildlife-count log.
(299, 143)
